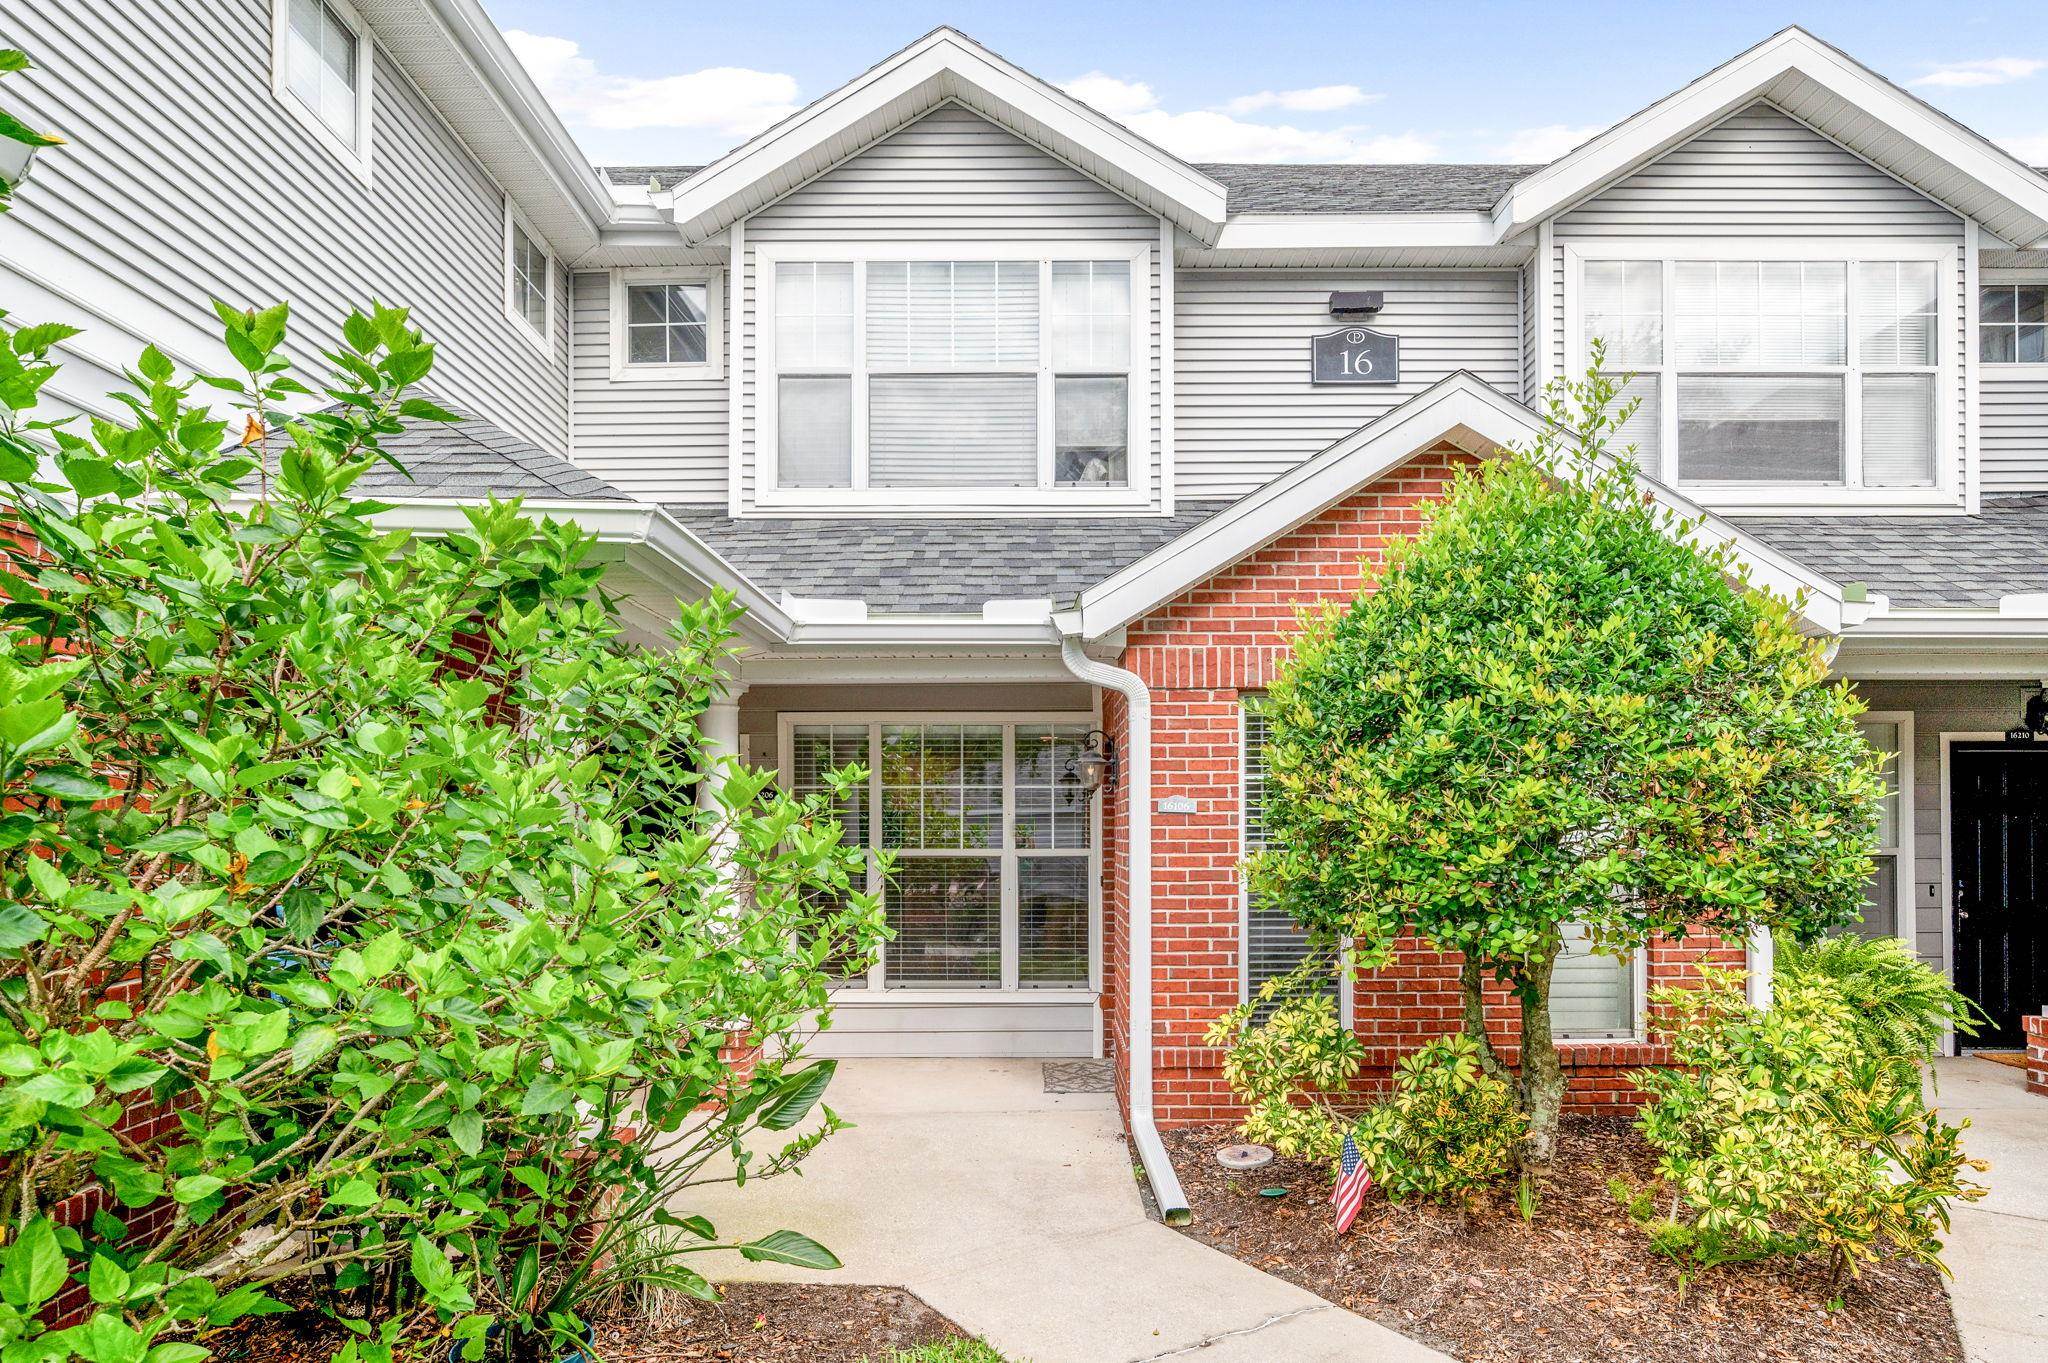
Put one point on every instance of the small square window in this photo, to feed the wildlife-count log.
(667, 323)
(2012, 324)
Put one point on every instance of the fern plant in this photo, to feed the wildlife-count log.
(1899, 1007)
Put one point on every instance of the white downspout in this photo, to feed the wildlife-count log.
(1137, 783)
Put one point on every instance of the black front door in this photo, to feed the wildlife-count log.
(1998, 845)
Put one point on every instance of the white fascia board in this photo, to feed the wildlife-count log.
(1462, 408)
(940, 66)
(1746, 78)
(1357, 232)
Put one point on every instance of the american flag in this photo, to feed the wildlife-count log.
(1352, 1181)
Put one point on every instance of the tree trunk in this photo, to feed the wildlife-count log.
(1473, 983)
(1542, 1075)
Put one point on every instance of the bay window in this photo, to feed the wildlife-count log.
(984, 372)
(1817, 372)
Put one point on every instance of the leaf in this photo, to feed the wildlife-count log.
(178, 1351)
(67, 783)
(311, 1044)
(109, 1339)
(357, 1192)
(436, 1276)
(466, 1129)
(196, 1188)
(789, 1247)
(20, 925)
(33, 1269)
(107, 1281)
(798, 1095)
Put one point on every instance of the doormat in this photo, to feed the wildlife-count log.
(2016, 1059)
(1079, 1076)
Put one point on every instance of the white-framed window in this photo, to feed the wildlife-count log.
(2012, 322)
(1888, 900)
(996, 877)
(320, 62)
(1595, 996)
(529, 281)
(665, 324)
(976, 372)
(1273, 942)
(1778, 372)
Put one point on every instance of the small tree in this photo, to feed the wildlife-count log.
(1553, 709)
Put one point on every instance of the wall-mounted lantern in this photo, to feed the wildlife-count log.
(1095, 765)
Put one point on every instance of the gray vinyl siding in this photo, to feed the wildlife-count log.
(662, 441)
(950, 176)
(2012, 417)
(1758, 173)
(1244, 409)
(184, 180)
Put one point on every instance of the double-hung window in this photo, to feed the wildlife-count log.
(1823, 373)
(320, 63)
(973, 376)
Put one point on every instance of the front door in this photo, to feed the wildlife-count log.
(1998, 846)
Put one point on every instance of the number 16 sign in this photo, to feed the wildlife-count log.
(1355, 355)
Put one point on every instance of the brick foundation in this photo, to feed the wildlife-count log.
(1199, 654)
(2037, 1053)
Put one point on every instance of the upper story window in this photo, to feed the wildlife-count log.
(1825, 373)
(2012, 323)
(529, 281)
(665, 324)
(320, 59)
(923, 379)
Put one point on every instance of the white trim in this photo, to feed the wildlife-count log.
(1136, 496)
(1973, 437)
(1356, 232)
(1546, 261)
(1962, 156)
(357, 157)
(1760, 498)
(542, 340)
(1167, 271)
(944, 64)
(736, 371)
(1906, 925)
(1462, 409)
(876, 990)
(711, 367)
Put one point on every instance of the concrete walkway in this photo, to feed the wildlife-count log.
(1016, 1212)
(1997, 1244)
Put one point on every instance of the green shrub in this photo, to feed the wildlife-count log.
(1897, 1005)
(1281, 1067)
(1783, 1135)
(1449, 1129)
(376, 861)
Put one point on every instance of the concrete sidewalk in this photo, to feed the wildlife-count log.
(1016, 1212)
(1995, 1249)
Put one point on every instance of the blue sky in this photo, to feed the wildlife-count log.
(641, 80)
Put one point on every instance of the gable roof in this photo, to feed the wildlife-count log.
(944, 65)
(1463, 409)
(474, 459)
(1830, 91)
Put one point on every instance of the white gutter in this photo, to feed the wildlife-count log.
(1137, 782)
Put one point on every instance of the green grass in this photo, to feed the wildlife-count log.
(951, 1351)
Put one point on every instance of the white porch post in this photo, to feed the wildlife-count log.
(720, 731)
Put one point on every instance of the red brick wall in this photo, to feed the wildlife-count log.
(2037, 1054)
(1199, 654)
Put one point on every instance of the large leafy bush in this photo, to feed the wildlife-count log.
(373, 864)
(1285, 1066)
(1553, 707)
(1448, 1131)
(1783, 1133)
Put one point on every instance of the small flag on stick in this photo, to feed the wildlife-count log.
(1352, 1181)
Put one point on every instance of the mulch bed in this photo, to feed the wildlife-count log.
(1580, 1284)
(756, 1323)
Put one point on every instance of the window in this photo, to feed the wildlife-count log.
(919, 379)
(320, 64)
(1274, 943)
(1818, 372)
(529, 295)
(994, 847)
(665, 324)
(1592, 995)
(1889, 890)
(2012, 323)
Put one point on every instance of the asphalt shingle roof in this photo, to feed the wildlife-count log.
(902, 565)
(472, 458)
(1923, 560)
(1263, 188)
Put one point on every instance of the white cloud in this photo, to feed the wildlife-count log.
(1211, 135)
(1315, 100)
(2032, 150)
(1993, 71)
(1535, 146)
(726, 99)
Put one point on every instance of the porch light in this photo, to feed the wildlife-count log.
(1095, 764)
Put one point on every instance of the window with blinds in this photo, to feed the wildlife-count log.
(933, 375)
(1823, 372)
(1592, 996)
(1274, 944)
(993, 845)
(1883, 898)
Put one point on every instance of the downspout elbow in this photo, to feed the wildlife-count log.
(1137, 781)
